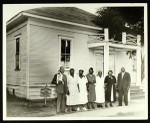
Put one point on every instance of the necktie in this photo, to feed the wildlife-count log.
(122, 75)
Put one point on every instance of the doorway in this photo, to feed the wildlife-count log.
(99, 62)
(112, 62)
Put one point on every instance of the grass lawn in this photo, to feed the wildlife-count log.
(17, 107)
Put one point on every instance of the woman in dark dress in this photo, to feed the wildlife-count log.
(110, 89)
(91, 88)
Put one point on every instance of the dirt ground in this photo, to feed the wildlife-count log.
(21, 108)
(135, 110)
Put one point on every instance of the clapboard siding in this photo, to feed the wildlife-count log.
(44, 51)
(81, 57)
(20, 91)
(62, 27)
(16, 77)
(43, 54)
(34, 93)
(33, 97)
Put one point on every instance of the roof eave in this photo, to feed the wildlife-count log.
(50, 19)
(14, 18)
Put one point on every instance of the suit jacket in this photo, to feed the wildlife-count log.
(124, 82)
(60, 88)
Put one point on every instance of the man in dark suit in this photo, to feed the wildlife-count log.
(123, 85)
(60, 79)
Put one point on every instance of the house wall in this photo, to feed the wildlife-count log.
(143, 64)
(44, 52)
(118, 59)
(83, 56)
(122, 60)
(16, 80)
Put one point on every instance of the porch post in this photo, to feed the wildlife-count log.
(138, 58)
(138, 40)
(106, 34)
(106, 59)
(124, 37)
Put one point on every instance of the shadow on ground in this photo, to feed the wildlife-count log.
(17, 107)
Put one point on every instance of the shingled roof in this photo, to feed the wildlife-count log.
(71, 14)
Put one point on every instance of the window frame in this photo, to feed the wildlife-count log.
(71, 50)
(15, 69)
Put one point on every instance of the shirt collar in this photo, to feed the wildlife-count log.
(59, 73)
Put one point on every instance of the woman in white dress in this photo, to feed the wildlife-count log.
(73, 91)
(82, 80)
(100, 95)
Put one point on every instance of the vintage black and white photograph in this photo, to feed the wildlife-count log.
(75, 61)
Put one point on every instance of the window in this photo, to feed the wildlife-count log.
(65, 52)
(17, 55)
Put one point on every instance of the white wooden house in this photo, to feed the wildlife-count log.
(41, 40)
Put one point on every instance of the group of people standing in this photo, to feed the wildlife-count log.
(82, 92)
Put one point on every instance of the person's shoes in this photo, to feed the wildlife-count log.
(126, 104)
(111, 105)
(98, 106)
(63, 112)
(101, 106)
(84, 109)
(106, 105)
(93, 107)
(78, 109)
(74, 110)
(88, 108)
(68, 109)
(58, 112)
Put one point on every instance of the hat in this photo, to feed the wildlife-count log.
(81, 70)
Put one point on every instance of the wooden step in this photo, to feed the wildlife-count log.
(134, 87)
(136, 91)
(137, 97)
(133, 94)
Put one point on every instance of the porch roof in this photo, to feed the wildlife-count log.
(113, 43)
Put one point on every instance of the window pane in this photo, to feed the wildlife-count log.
(63, 44)
(63, 58)
(68, 47)
(17, 62)
(65, 53)
(67, 58)
(17, 46)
